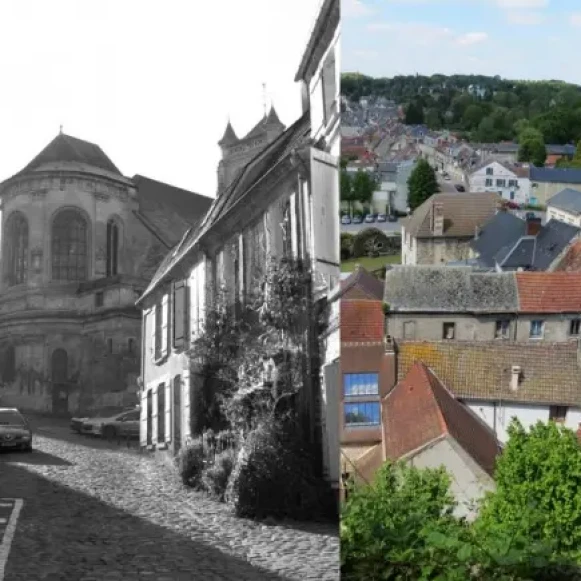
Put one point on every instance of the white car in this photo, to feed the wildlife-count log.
(345, 220)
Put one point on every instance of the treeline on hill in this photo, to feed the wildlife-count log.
(497, 109)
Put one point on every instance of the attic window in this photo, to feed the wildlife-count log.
(489, 171)
(449, 331)
(558, 413)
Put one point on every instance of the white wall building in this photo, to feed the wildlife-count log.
(498, 177)
(565, 207)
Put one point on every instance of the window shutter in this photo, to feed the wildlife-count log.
(143, 419)
(168, 412)
(186, 398)
(154, 404)
(164, 324)
(179, 314)
(153, 327)
(294, 226)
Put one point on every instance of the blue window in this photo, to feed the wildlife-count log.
(537, 328)
(362, 414)
(355, 384)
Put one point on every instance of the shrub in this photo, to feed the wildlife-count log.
(215, 477)
(190, 462)
(373, 242)
(346, 245)
(274, 477)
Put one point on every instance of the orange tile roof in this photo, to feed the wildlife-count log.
(420, 409)
(571, 262)
(549, 292)
(361, 321)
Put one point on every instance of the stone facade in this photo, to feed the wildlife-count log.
(78, 250)
(417, 251)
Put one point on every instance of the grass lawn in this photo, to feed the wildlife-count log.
(369, 263)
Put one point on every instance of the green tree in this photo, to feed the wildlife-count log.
(422, 184)
(347, 188)
(532, 147)
(363, 185)
(539, 473)
(414, 114)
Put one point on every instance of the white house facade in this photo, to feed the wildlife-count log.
(497, 177)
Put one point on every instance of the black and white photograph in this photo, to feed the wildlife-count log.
(170, 290)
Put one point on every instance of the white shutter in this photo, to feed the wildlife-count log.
(164, 324)
(325, 213)
(152, 326)
(186, 398)
(193, 306)
(154, 406)
(294, 225)
(143, 419)
(168, 411)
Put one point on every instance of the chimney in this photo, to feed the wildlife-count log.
(515, 375)
(533, 226)
(437, 218)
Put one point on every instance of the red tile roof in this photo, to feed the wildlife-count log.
(420, 409)
(549, 292)
(361, 285)
(361, 321)
(571, 262)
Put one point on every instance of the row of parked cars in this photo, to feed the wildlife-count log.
(368, 219)
(109, 423)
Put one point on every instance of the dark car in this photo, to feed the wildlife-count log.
(15, 433)
(459, 188)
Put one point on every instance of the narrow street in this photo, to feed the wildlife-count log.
(93, 511)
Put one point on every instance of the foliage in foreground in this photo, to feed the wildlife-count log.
(402, 526)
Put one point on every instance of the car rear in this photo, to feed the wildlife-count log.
(15, 432)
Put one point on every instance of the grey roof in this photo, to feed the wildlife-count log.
(450, 289)
(553, 238)
(519, 255)
(555, 175)
(568, 200)
(501, 230)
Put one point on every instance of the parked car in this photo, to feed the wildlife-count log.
(459, 188)
(94, 426)
(345, 220)
(369, 219)
(123, 426)
(104, 412)
(15, 432)
(357, 220)
(512, 205)
(381, 217)
(392, 218)
(447, 177)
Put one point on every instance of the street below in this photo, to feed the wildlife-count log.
(97, 511)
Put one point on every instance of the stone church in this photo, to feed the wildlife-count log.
(80, 243)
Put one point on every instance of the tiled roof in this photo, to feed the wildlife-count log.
(361, 321)
(568, 200)
(229, 136)
(366, 284)
(463, 213)
(265, 160)
(449, 289)
(555, 175)
(549, 292)
(502, 229)
(420, 409)
(550, 372)
(571, 262)
(66, 148)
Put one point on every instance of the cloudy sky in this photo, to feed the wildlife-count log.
(151, 82)
(531, 39)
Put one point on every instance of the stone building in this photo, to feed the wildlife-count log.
(80, 242)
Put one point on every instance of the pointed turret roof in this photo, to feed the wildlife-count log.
(272, 118)
(229, 136)
(64, 148)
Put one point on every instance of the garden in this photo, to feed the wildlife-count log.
(371, 248)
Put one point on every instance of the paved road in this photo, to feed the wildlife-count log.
(97, 512)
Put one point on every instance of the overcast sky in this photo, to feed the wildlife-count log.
(518, 39)
(151, 82)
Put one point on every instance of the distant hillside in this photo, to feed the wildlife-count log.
(484, 109)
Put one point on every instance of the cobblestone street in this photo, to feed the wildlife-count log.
(94, 511)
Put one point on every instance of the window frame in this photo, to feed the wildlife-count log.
(489, 171)
(61, 244)
(373, 393)
(448, 325)
(113, 245)
(558, 413)
(17, 248)
(488, 183)
(356, 425)
(542, 329)
(572, 324)
(502, 325)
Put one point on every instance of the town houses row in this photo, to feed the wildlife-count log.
(107, 279)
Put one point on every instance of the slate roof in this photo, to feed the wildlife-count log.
(555, 175)
(170, 210)
(549, 292)
(361, 321)
(364, 283)
(476, 370)
(571, 262)
(449, 289)
(503, 241)
(420, 409)
(229, 136)
(264, 161)
(71, 149)
(463, 213)
(568, 200)
(268, 120)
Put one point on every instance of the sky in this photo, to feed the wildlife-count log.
(153, 83)
(516, 39)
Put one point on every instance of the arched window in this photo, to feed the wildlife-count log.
(112, 247)
(17, 249)
(69, 246)
(59, 366)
